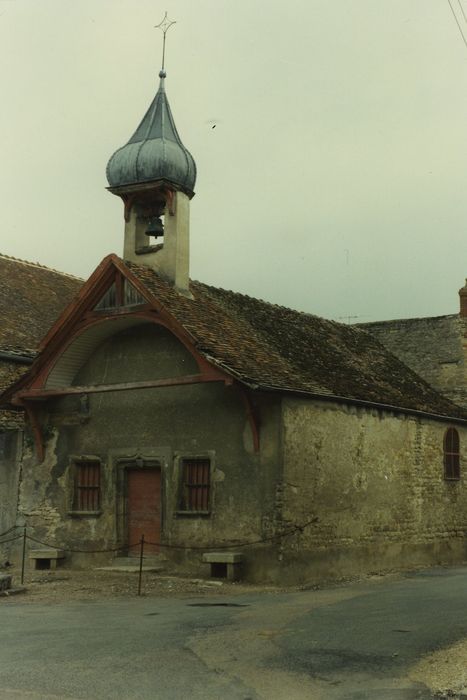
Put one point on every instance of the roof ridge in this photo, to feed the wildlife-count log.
(406, 320)
(268, 303)
(40, 266)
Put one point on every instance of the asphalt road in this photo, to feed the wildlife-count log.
(352, 642)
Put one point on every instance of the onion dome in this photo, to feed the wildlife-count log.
(155, 151)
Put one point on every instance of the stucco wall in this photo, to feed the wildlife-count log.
(376, 483)
(159, 425)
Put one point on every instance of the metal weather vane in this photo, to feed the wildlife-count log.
(164, 26)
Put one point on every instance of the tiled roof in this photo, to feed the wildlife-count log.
(274, 347)
(261, 344)
(31, 298)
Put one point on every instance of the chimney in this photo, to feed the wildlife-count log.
(463, 301)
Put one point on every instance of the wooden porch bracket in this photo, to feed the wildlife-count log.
(170, 202)
(128, 200)
(252, 417)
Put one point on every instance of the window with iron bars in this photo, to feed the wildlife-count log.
(451, 455)
(87, 492)
(196, 485)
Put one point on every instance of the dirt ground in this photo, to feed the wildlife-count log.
(63, 585)
(444, 671)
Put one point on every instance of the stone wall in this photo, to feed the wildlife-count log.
(375, 481)
(433, 347)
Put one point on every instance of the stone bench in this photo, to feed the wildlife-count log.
(224, 564)
(5, 582)
(46, 558)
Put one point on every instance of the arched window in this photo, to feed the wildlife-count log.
(451, 454)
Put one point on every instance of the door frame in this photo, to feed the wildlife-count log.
(140, 466)
(122, 460)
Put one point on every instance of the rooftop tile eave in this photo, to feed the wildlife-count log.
(310, 391)
(458, 416)
(261, 380)
(18, 351)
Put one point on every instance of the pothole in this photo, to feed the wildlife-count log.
(218, 605)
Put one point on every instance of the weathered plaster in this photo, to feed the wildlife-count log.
(160, 425)
(11, 443)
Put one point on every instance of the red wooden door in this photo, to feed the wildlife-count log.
(144, 508)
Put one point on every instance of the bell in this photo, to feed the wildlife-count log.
(155, 227)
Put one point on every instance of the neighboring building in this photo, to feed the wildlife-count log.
(204, 418)
(434, 347)
(31, 298)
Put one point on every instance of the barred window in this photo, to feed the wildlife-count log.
(451, 454)
(196, 485)
(87, 494)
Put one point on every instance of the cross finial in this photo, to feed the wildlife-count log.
(164, 26)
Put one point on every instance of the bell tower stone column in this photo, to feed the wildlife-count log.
(175, 261)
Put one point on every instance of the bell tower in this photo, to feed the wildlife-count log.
(154, 174)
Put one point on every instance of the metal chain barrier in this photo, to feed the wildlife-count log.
(7, 532)
(54, 545)
(239, 545)
(293, 529)
(12, 539)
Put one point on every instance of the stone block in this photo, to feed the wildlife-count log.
(223, 557)
(46, 558)
(224, 564)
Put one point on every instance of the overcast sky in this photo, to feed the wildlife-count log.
(334, 181)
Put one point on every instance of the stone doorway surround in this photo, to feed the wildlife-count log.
(144, 502)
(121, 461)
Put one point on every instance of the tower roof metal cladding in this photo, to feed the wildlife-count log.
(155, 150)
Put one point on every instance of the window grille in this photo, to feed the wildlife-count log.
(109, 300)
(131, 296)
(87, 486)
(451, 454)
(196, 485)
(114, 298)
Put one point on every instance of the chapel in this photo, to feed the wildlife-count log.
(142, 404)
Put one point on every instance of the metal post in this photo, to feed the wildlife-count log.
(141, 555)
(24, 555)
